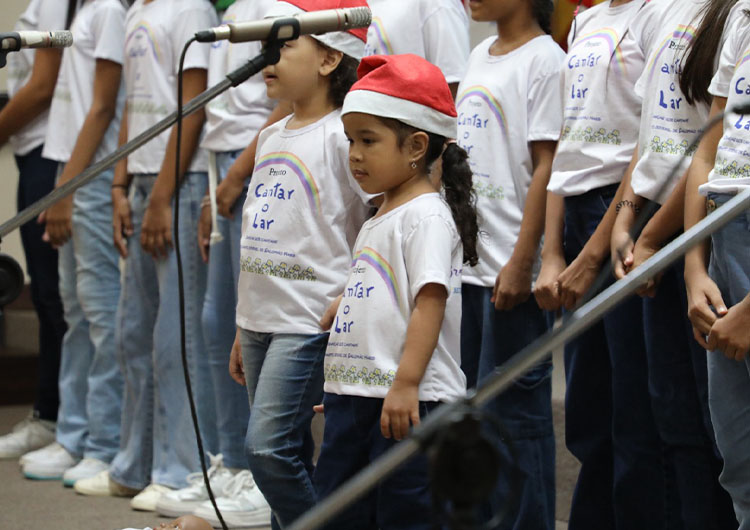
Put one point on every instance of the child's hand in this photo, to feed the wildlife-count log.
(236, 369)
(227, 193)
(58, 220)
(204, 233)
(702, 293)
(547, 286)
(320, 409)
(327, 320)
(577, 278)
(622, 251)
(400, 407)
(512, 286)
(122, 222)
(156, 232)
(729, 333)
(644, 250)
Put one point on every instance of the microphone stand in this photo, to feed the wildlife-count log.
(270, 55)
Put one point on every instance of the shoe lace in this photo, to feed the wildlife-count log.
(217, 463)
(241, 482)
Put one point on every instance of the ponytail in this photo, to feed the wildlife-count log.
(457, 181)
(459, 194)
(698, 69)
(542, 11)
(71, 13)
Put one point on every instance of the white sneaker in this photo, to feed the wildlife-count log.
(49, 463)
(243, 506)
(146, 500)
(40, 455)
(28, 435)
(184, 501)
(100, 485)
(86, 468)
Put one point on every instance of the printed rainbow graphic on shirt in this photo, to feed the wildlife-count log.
(485, 95)
(682, 32)
(384, 270)
(299, 168)
(143, 27)
(376, 26)
(611, 39)
(745, 58)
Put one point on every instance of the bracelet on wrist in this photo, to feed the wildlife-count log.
(205, 201)
(629, 204)
(123, 186)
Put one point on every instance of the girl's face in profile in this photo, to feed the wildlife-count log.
(493, 10)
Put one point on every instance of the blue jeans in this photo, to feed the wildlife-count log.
(351, 441)
(729, 380)
(609, 424)
(488, 339)
(36, 178)
(157, 439)
(678, 385)
(90, 380)
(219, 328)
(284, 377)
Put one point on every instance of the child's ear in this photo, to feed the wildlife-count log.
(416, 145)
(330, 60)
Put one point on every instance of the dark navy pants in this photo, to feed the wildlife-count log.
(36, 179)
(609, 424)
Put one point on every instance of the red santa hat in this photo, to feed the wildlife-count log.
(406, 88)
(351, 42)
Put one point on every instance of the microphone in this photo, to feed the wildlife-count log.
(313, 23)
(16, 40)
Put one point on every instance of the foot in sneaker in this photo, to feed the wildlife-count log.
(184, 501)
(243, 506)
(48, 463)
(86, 468)
(101, 485)
(146, 500)
(28, 435)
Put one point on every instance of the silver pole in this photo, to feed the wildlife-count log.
(578, 322)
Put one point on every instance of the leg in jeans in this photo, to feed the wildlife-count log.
(688, 448)
(36, 179)
(345, 451)
(729, 380)
(175, 447)
(525, 410)
(98, 288)
(284, 375)
(219, 329)
(136, 314)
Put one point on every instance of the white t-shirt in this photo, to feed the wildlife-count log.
(495, 130)
(40, 15)
(235, 117)
(156, 33)
(394, 257)
(731, 172)
(299, 222)
(98, 33)
(437, 30)
(601, 109)
(669, 124)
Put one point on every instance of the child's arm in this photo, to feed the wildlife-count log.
(401, 405)
(231, 186)
(513, 282)
(59, 217)
(702, 292)
(122, 221)
(621, 244)
(33, 98)
(327, 320)
(236, 369)
(547, 287)
(729, 333)
(156, 232)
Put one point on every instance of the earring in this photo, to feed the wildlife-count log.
(413, 164)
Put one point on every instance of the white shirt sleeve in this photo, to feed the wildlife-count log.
(428, 253)
(728, 61)
(446, 39)
(545, 104)
(108, 26)
(52, 15)
(192, 21)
